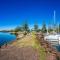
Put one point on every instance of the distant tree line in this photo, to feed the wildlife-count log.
(25, 28)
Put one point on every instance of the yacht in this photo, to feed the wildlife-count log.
(53, 38)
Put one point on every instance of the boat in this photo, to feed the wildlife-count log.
(53, 38)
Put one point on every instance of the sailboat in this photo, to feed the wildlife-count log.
(53, 38)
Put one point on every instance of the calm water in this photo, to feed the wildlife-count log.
(6, 38)
(57, 47)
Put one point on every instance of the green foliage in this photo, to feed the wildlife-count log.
(36, 28)
(26, 27)
(59, 27)
(44, 30)
(18, 29)
(50, 30)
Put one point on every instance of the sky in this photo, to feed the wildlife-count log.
(14, 12)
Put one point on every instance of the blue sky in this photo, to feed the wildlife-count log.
(14, 12)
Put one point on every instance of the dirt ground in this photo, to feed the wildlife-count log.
(14, 53)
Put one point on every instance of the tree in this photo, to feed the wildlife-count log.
(44, 30)
(59, 27)
(50, 29)
(18, 29)
(26, 27)
(36, 28)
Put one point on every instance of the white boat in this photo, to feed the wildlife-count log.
(54, 39)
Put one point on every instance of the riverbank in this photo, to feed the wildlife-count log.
(27, 48)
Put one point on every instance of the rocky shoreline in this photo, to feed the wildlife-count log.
(51, 52)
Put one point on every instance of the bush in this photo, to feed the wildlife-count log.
(25, 33)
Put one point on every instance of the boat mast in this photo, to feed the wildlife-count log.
(54, 16)
(54, 21)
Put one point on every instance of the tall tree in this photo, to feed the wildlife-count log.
(50, 29)
(59, 27)
(36, 27)
(44, 30)
(26, 27)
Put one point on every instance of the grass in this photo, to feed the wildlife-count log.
(40, 48)
(33, 42)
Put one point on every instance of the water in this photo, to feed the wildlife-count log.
(57, 47)
(6, 38)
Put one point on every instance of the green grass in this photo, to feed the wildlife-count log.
(39, 47)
